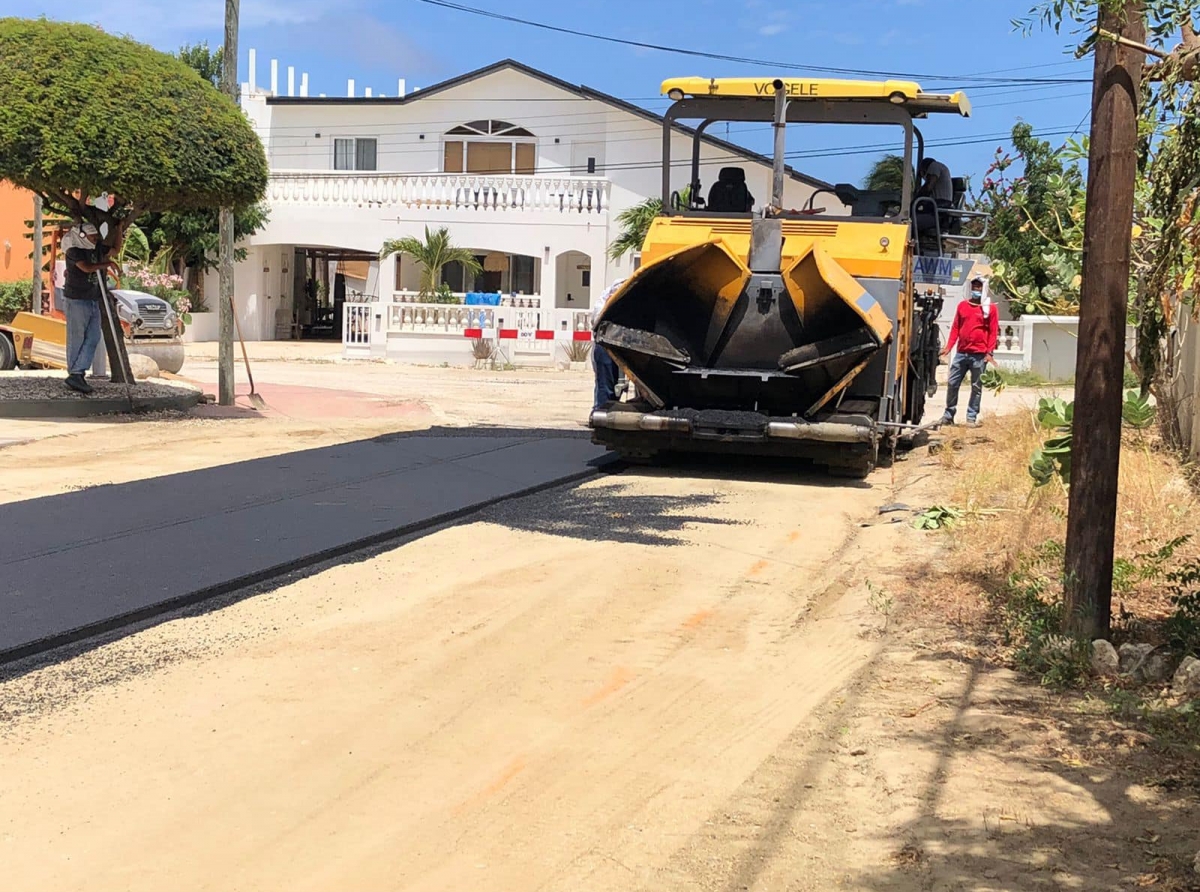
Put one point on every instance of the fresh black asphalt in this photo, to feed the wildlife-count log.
(85, 562)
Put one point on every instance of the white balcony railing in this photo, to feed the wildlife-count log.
(544, 193)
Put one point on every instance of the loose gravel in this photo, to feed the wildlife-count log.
(50, 386)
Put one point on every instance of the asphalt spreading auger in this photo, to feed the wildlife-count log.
(783, 332)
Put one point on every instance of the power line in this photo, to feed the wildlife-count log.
(798, 154)
(402, 127)
(1087, 114)
(1039, 99)
(297, 151)
(766, 63)
(1031, 67)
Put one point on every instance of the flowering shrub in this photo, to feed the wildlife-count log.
(139, 277)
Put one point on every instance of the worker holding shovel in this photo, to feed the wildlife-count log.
(84, 258)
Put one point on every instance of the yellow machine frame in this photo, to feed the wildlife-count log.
(818, 257)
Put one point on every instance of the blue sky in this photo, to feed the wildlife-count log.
(377, 41)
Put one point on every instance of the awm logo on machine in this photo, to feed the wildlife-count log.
(940, 270)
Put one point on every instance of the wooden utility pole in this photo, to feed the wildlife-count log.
(1100, 364)
(229, 83)
(35, 297)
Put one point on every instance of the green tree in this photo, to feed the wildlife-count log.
(1035, 235)
(84, 113)
(188, 239)
(203, 61)
(885, 175)
(1166, 238)
(1168, 160)
(433, 253)
(635, 223)
(135, 245)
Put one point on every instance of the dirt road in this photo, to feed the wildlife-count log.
(566, 694)
(662, 680)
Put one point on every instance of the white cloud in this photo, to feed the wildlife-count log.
(772, 29)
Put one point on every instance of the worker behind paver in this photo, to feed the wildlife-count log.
(84, 258)
(605, 368)
(975, 330)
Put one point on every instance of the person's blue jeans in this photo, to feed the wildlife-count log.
(606, 376)
(964, 364)
(83, 334)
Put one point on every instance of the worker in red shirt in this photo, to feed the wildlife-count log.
(975, 331)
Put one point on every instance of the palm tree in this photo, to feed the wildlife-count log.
(885, 175)
(635, 223)
(433, 254)
(134, 245)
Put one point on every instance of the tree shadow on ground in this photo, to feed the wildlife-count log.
(610, 512)
(1136, 839)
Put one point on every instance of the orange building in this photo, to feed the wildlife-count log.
(16, 207)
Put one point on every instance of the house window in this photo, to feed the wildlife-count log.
(355, 154)
(489, 147)
(522, 274)
(591, 165)
(399, 278)
(454, 276)
(587, 278)
(489, 157)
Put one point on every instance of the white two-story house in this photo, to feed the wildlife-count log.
(525, 170)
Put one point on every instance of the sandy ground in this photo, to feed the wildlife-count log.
(664, 680)
(691, 678)
(563, 694)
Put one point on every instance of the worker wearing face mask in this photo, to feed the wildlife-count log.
(975, 330)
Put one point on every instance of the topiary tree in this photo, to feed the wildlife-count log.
(84, 113)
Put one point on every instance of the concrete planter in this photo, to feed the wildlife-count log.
(204, 327)
(168, 356)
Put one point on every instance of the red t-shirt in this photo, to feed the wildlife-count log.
(972, 331)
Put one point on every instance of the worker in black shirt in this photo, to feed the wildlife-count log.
(84, 258)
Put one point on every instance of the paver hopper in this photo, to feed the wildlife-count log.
(776, 332)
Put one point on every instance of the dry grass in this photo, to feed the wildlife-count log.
(577, 351)
(967, 612)
(1008, 518)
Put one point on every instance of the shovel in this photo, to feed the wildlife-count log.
(255, 400)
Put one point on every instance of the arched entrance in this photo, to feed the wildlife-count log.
(573, 281)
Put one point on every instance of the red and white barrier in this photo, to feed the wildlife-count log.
(512, 334)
